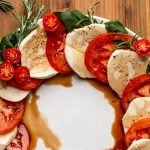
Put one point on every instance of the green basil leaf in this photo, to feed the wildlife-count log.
(71, 19)
(115, 26)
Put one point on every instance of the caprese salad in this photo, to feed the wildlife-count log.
(73, 43)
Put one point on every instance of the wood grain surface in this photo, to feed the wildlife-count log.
(134, 14)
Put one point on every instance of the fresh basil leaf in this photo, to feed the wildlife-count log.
(115, 26)
(148, 69)
(71, 19)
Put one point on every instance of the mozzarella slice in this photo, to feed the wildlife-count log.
(11, 93)
(6, 139)
(142, 144)
(76, 44)
(123, 66)
(34, 56)
(138, 109)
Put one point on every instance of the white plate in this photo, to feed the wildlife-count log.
(80, 116)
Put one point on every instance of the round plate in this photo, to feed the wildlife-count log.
(76, 116)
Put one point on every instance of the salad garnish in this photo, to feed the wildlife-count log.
(128, 43)
(27, 21)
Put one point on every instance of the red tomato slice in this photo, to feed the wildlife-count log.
(29, 85)
(10, 115)
(138, 130)
(12, 56)
(99, 51)
(22, 74)
(6, 71)
(55, 51)
(50, 22)
(21, 141)
(138, 87)
(142, 47)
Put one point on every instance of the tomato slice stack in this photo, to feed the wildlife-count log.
(138, 87)
(99, 51)
(55, 49)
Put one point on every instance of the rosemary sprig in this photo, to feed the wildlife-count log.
(5, 6)
(129, 43)
(90, 15)
(28, 21)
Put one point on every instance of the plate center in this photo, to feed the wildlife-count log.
(79, 115)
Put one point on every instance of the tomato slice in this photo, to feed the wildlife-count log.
(138, 87)
(55, 51)
(99, 51)
(6, 71)
(142, 47)
(12, 56)
(50, 22)
(10, 115)
(30, 84)
(138, 130)
(22, 74)
(21, 141)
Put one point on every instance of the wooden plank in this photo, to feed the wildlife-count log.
(133, 13)
(137, 16)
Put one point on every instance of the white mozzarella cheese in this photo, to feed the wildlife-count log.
(123, 66)
(12, 94)
(142, 144)
(6, 139)
(76, 44)
(138, 109)
(33, 50)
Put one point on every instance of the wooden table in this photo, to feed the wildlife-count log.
(134, 14)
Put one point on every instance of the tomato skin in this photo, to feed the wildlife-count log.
(142, 47)
(55, 51)
(6, 71)
(22, 74)
(11, 114)
(50, 22)
(138, 130)
(131, 90)
(21, 141)
(12, 56)
(29, 85)
(99, 51)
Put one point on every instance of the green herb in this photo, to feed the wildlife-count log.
(27, 21)
(90, 14)
(115, 26)
(127, 44)
(5, 6)
(70, 19)
(148, 68)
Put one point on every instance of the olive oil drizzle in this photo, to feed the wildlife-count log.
(37, 126)
(62, 80)
(114, 101)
